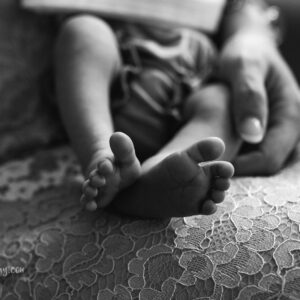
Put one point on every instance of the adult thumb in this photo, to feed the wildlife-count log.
(250, 106)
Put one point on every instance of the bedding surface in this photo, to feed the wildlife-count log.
(249, 249)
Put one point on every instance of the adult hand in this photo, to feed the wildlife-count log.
(266, 101)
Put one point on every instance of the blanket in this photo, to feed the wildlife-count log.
(50, 248)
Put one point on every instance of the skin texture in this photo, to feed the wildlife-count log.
(263, 111)
(87, 60)
(183, 183)
(264, 89)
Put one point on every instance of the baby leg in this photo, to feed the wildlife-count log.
(208, 113)
(181, 179)
(87, 60)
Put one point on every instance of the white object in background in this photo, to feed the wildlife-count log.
(201, 14)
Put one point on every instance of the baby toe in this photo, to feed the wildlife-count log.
(123, 148)
(91, 206)
(222, 169)
(206, 150)
(96, 180)
(217, 196)
(88, 204)
(209, 207)
(88, 190)
(105, 168)
(221, 184)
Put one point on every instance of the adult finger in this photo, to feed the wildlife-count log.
(272, 153)
(283, 128)
(250, 103)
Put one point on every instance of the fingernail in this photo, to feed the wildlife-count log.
(252, 130)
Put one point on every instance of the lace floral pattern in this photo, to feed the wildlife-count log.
(249, 249)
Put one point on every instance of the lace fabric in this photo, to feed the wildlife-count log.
(249, 249)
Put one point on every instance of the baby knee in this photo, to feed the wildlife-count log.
(85, 24)
(86, 32)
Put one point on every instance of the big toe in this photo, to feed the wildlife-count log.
(184, 166)
(206, 150)
(122, 148)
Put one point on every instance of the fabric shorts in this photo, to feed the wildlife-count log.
(161, 68)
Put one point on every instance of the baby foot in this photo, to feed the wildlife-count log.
(184, 183)
(111, 174)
